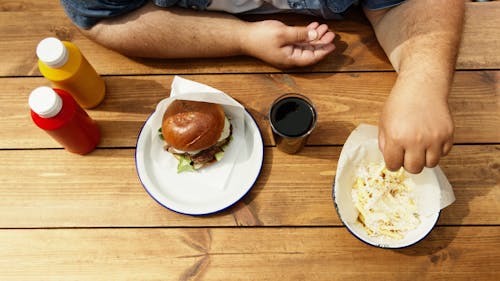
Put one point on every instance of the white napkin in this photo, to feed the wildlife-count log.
(213, 176)
(433, 191)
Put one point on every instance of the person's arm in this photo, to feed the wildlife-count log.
(182, 33)
(421, 39)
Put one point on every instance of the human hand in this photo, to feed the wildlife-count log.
(415, 130)
(288, 46)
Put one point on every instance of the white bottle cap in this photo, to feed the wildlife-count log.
(45, 102)
(52, 52)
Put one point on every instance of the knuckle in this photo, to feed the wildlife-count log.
(441, 135)
(404, 139)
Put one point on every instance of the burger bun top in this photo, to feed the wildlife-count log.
(192, 125)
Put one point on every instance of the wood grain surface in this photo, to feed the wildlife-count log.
(71, 217)
(343, 101)
(53, 188)
(324, 253)
(23, 24)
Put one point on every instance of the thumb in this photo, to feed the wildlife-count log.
(300, 35)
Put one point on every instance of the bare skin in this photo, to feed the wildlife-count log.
(181, 33)
(420, 37)
(416, 127)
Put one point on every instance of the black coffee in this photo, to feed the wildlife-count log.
(292, 117)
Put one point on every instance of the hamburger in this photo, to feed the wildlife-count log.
(196, 133)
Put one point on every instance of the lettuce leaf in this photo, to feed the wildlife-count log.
(184, 165)
(219, 155)
(160, 134)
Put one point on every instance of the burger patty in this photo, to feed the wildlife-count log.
(204, 156)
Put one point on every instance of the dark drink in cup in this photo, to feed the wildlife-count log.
(292, 118)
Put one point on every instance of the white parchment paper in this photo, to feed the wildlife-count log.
(432, 192)
(213, 176)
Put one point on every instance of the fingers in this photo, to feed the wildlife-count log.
(432, 156)
(324, 35)
(447, 147)
(313, 25)
(327, 38)
(303, 56)
(307, 55)
(321, 51)
(307, 45)
(314, 32)
(293, 35)
(434, 153)
(381, 141)
(323, 42)
(321, 30)
(393, 157)
(414, 159)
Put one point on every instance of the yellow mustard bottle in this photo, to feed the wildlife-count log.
(64, 65)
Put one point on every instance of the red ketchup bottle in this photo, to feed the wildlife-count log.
(56, 112)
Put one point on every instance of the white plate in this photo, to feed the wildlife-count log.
(200, 200)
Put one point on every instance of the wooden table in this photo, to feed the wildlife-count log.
(69, 217)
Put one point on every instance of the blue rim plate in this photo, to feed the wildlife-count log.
(198, 199)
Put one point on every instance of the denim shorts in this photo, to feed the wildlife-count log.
(86, 13)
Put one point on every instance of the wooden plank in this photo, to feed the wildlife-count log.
(24, 23)
(480, 47)
(449, 253)
(9, 6)
(343, 101)
(53, 188)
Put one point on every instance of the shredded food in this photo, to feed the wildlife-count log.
(385, 201)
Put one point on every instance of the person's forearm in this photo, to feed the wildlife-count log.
(421, 39)
(182, 33)
(171, 33)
